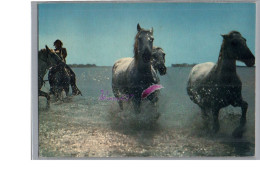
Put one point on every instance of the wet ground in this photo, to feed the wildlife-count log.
(84, 126)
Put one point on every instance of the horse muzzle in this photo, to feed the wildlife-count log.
(248, 58)
(250, 61)
(162, 70)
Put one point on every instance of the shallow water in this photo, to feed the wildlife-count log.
(84, 126)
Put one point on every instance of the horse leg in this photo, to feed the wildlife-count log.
(154, 100)
(66, 89)
(44, 94)
(117, 95)
(137, 104)
(75, 90)
(205, 117)
(215, 112)
(238, 132)
(51, 77)
(120, 102)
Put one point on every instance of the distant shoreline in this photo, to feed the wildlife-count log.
(94, 65)
(82, 65)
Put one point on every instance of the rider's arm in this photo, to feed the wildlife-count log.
(64, 53)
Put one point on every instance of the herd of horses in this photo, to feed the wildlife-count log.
(211, 86)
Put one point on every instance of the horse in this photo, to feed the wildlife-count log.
(65, 71)
(132, 76)
(214, 86)
(59, 80)
(46, 59)
(158, 60)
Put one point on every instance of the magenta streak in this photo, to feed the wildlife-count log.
(150, 90)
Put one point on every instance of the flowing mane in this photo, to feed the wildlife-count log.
(136, 45)
(230, 35)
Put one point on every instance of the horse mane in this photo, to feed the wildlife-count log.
(42, 50)
(233, 33)
(136, 45)
(221, 50)
(230, 34)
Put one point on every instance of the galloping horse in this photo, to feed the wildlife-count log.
(214, 86)
(134, 75)
(46, 59)
(158, 60)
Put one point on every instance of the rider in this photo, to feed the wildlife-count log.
(62, 53)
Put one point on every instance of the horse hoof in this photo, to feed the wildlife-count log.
(48, 104)
(238, 132)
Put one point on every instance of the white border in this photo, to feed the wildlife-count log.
(35, 93)
(17, 169)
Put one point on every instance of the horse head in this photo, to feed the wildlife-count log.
(51, 57)
(143, 44)
(158, 60)
(237, 48)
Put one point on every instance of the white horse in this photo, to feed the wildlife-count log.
(214, 86)
(132, 76)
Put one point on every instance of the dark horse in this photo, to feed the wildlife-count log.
(214, 86)
(158, 60)
(134, 75)
(60, 80)
(46, 58)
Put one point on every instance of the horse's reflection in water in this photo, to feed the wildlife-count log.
(214, 86)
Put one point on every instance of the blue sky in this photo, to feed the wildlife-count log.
(101, 33)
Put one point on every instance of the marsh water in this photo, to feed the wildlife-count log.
(87, 126)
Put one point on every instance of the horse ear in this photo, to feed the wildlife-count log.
(225, 36)
(138, 27)
(47, 48)
(151, 30)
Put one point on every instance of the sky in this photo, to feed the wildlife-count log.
(101, 33)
